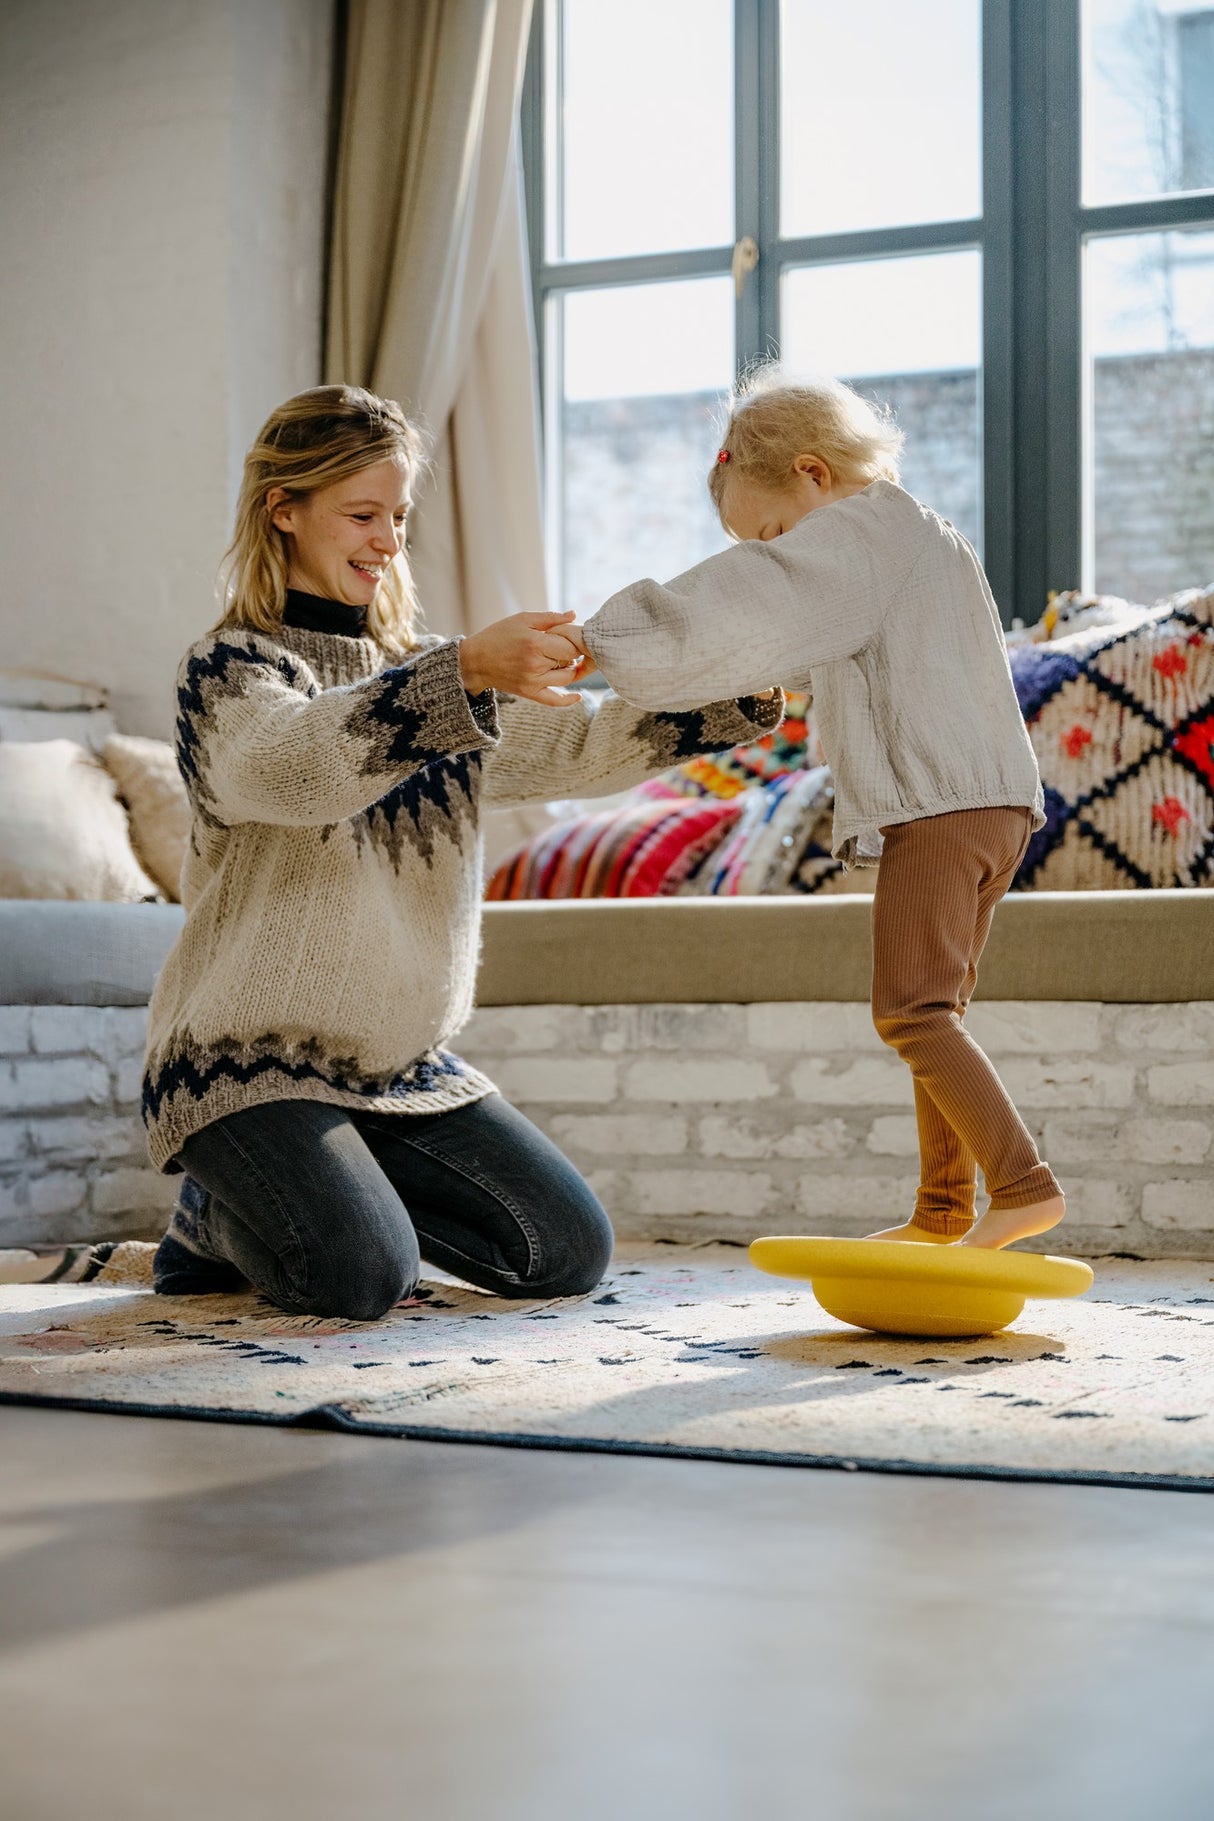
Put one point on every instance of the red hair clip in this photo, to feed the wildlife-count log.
(723, 455)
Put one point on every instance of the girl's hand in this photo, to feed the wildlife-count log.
(523, 655)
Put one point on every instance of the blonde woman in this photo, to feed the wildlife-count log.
(337, 759)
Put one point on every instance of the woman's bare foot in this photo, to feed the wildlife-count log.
(915, 1234)
(1003, 1226)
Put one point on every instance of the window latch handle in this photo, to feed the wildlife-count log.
(745, 259)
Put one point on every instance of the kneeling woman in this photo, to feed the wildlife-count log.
(337, 759)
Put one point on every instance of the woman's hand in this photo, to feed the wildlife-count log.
(523, 655)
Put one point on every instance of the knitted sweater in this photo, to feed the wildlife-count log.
(878, 608)
(332, 885)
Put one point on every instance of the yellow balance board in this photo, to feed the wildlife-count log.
(907, 1287)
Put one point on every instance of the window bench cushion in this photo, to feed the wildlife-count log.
(1128, 947)
(65, 952)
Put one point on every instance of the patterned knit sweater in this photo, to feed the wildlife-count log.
(332, 885)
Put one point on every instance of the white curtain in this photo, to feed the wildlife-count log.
(429, 295)
(428, 285)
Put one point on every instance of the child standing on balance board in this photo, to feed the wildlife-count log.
(843, 584)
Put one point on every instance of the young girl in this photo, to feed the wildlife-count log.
(336, 760)
(843, 584)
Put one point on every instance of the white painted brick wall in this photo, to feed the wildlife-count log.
(1181, 1084)
(1181, 1205)
(709, 1081)
(868, 1080)
(739, 1120)
(72, 1158)
(694, 1122)
(616, 1134)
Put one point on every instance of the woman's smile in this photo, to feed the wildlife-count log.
(373, 572)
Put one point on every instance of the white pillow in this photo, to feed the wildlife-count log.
(150, 785)
(63, 831)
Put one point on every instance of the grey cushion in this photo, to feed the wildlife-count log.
(55, 952)
(1129, 947)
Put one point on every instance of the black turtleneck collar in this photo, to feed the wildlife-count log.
(313, 613)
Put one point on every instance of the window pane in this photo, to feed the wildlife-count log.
(646, 368)
(1149, 331)
(879, 110)
(906, 332)
(646, 127)
(1148, 116)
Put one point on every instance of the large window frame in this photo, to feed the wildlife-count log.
(1030, 234)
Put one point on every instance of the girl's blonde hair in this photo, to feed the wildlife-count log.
(774, 418)
(315, 439)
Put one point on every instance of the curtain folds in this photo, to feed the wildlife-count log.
(428, 289)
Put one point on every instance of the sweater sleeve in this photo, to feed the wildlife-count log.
(258, 740)
(606, 745)
(755, 614)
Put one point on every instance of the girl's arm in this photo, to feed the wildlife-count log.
(610, 745)
(754, 614)
(259, 741)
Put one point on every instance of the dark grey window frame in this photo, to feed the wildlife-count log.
(1030, 233)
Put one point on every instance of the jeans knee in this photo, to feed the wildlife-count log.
(579, 1277)
(583, 1260)
(363, 1284)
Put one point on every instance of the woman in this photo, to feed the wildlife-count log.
(337, 759)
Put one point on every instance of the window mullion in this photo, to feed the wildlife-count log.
(1190, 209)
(881, 243)
(748, 114)
(1030, 325)
(757, 162)
(770, 261)
(1067, 454)
(635, 268)
(998, 290)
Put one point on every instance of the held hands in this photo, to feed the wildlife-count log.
(525, 655)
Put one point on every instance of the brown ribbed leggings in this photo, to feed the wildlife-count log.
(938, 883)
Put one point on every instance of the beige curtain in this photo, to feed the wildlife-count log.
(428, 295)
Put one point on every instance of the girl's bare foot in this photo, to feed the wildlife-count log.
(1003, 1226)
(915, 1234)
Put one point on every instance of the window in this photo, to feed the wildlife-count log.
(1148, 296)
(995, 215)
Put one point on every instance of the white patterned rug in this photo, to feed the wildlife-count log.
(681, 1350)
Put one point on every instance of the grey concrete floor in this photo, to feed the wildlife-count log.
(202, 1620)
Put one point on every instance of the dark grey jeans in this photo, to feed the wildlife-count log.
(330, 1212)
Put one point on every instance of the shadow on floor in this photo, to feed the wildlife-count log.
(113, 1560)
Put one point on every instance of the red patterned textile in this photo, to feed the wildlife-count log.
(646, 849)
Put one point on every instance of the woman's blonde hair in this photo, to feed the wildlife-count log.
(773, 418)
(312, 441)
